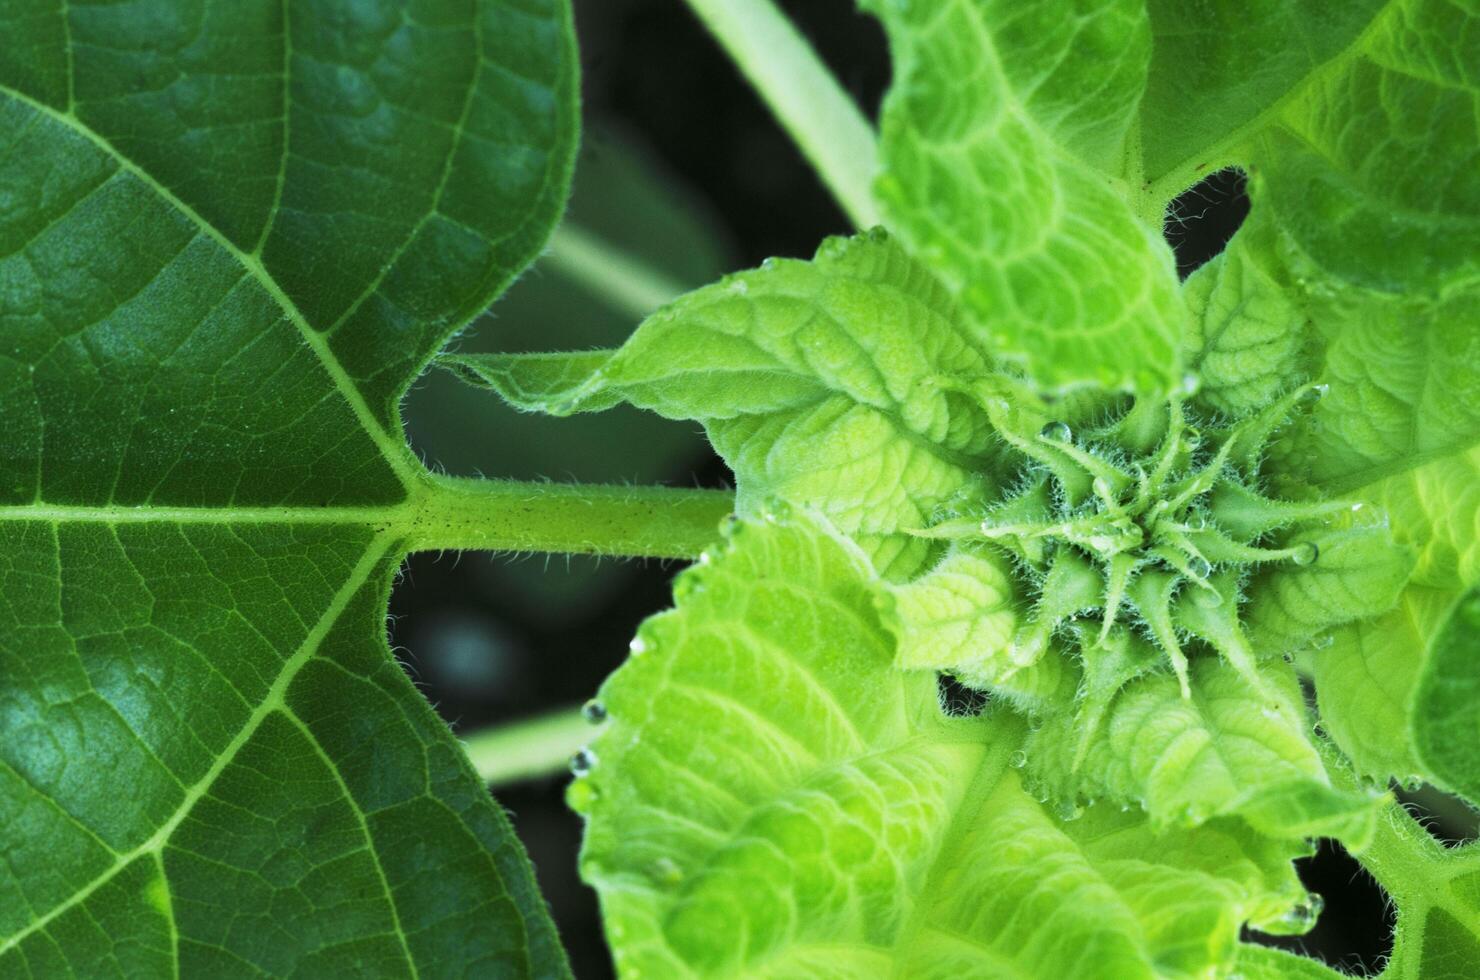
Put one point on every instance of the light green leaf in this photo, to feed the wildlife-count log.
(834, 383)
(1358, 572)
(1446, 723)
(1365, 681)
(1001, 138)
(1436, 510)
(1228, 750)
(1402, 387)
(230, 235)
(959, 617)
(1249, 341)
(1268, 963)
(772, 798)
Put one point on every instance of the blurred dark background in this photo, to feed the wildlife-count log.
(683, 168)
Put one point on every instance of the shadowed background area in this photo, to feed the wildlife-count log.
(684, 170)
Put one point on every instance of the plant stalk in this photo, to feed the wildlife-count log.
(456, 513)
(528, 749)
(810, 104)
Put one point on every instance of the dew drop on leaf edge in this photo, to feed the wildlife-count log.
(1057, 432)
(583, 762)
(594, 712)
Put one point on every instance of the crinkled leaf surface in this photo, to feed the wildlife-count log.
(773, 798)
(833, 382)
(230, 234)
(1228, 749)
(1003, 135)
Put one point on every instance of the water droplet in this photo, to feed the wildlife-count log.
(1190, 383)
(1306, 552)
(583, 762)
(1018, 759)
(1357, 506)
(705, 558)
(638, 646)
(1200, 567)
(594, 711)
(1057, 432)
(1068, 811)
(1301, 916)
(1411, 784)
(739, 287)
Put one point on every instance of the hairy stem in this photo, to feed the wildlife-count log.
(528, 749)
(456, 513)
(813, 108)
(628, 284)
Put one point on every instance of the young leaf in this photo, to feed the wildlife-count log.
(772, 797)
(228, 242)
(1228, 750)
(1248, 338)
(1357, 573)
(835, 382)
(1005, 128)
(958, 617)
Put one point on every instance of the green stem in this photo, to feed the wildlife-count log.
(629, 285)
(528, 749)
(456, 513)
(821, 118)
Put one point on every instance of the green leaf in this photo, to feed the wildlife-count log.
(959, 617)
(1365, 681)
(1403, 389)
(1435, 510)
(1268, 963)
(1358, 572)
(835, 383)
(229, 238)
(1358, 121)
(1219, 73)
(1248, 342)
(1446, 728)
(1227, 750)
(772, 798)
(1002, 135)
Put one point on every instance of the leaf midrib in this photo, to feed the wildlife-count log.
(391, 447)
